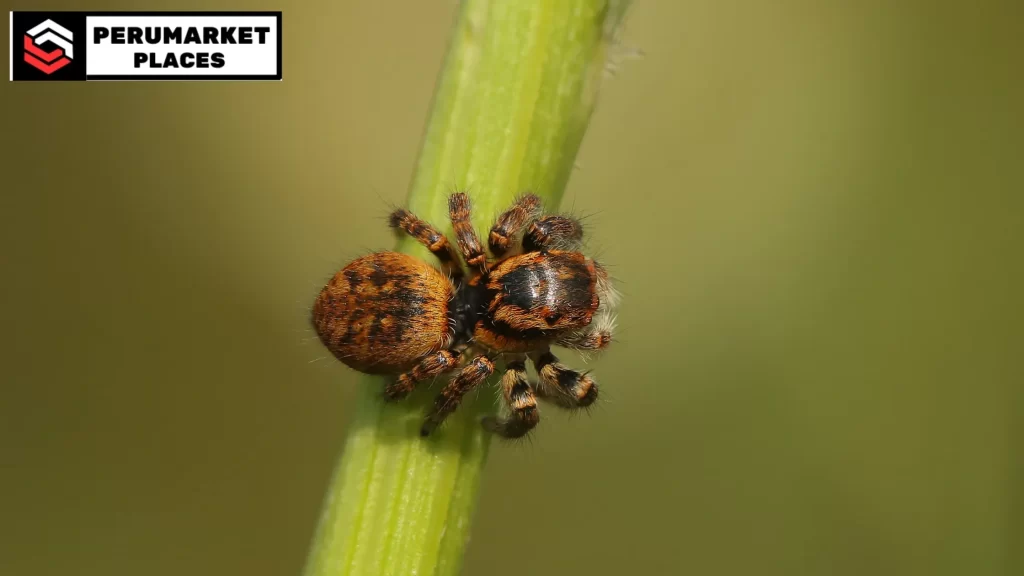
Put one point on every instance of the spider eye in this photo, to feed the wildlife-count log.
(554, 317)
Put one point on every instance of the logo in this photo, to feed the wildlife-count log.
(49, 62)
(48, 46)
(61, 46)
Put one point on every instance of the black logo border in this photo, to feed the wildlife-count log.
(162, 77)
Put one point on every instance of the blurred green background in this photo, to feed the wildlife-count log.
(813, 209)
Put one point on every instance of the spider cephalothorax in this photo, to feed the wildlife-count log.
(390, 313)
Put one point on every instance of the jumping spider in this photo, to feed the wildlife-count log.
(390, 313)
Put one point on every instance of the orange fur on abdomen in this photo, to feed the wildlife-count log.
(384, 312)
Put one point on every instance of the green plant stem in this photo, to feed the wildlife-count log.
(513, 101)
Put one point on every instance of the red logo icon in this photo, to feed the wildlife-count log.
(49, 62)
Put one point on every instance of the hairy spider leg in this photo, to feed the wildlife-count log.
(553, 232)
(511, 222)
(518, 397)
(471, 375)
(459, 211)
(436, 364)
(431, 238)
(561, 385)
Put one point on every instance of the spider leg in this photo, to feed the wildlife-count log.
(553, 232)
(519, 398)
(465, 236)
(561, 385)
(511, 222)
(433, 365)
(593, 340)
(475, 372)
(429, 237)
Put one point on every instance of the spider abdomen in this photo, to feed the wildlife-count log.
(384, 312)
